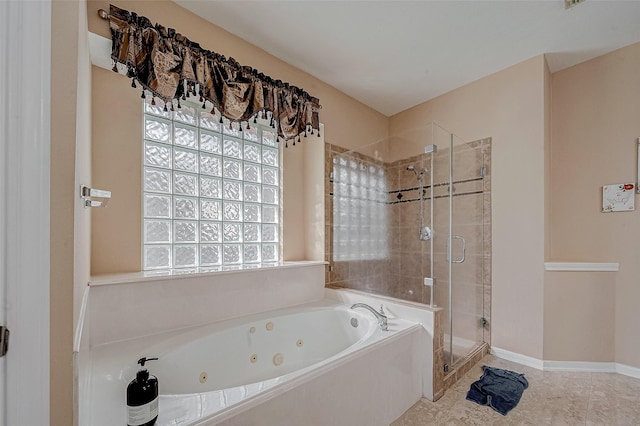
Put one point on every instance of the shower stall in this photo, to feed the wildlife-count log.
(410, 218)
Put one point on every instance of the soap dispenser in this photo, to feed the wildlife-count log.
(142, 397)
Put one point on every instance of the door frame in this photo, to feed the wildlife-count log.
(25, 84)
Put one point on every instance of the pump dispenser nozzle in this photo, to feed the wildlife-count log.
(142, 360)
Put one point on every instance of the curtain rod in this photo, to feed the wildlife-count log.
(103, 14)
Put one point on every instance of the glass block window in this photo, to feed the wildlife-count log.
(360, 210)
(211, 192)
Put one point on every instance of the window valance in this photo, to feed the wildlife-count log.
(171, 67)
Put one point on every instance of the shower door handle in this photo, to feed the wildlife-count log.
(464, 248)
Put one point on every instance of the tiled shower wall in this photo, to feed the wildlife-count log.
(401, 271)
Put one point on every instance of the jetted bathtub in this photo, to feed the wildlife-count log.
(220, 372)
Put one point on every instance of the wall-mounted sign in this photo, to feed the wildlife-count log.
(618, 197)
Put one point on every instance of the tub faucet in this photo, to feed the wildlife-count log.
(382, 318)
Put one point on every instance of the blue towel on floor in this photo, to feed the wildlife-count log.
(500, 389)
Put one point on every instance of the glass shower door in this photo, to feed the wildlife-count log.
(460, 252)
(465, 247)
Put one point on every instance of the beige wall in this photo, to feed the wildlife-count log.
(116, 134)
(595, 127)
(578, 316)
(70, 222)
(509, 107)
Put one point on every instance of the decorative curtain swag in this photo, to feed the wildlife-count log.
(171, 67)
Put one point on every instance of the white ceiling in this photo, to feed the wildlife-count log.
(394, 54)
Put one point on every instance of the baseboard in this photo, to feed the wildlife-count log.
(600, 367)
(516, 357)
(628, 371)
(594, 367)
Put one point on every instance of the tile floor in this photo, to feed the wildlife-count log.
(553, 398)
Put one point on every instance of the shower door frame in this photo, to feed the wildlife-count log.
(459, 256)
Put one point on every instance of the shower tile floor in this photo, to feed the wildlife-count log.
(553, 398)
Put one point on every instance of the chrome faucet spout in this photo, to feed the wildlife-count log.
(382, 318)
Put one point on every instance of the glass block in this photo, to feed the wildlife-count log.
(251, 232)
(251, 172)
(186, 114)
(157, 180)
(252, 152)
(185, 184)
(157, 109)
(157, 231)
(210, 232)
(156, 257)
(185, 255)
(210, 255)
(354, 191)
(157, 206)
(232, 148)
(251, 212)
(269, 214)
(232, 129)
(231, 232)
(250, 134)
(232, 254)
(252, 192)
(210, 143)
(210, 121)
(341, 189)
(342, 175)
(232, 190)
(269, 138)
(185, 136)
(269, 252)
(238, 267)
(232, 211)
(251, 253)
(157, 130)
(210, 187)
(157, 155)
(354, 177)
(210, 210)
(185, 208)
(270, 176)
(270, 233)
(185, 160)
(232, 169)
(185, 231)
(210, 165)
(270, 195)
(270, 156)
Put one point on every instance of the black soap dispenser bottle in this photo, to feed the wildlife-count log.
(142, 397)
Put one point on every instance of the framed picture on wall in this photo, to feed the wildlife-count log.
(618, 197)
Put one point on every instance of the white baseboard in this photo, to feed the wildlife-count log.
(599, 367)
(594, 367)
(516, 357)
(628, 371)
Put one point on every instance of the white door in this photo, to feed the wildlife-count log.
(25, 70)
